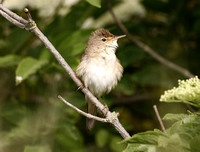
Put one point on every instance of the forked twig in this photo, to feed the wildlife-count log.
(82, 112)
(30, 25)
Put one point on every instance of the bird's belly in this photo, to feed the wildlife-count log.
(100, 79)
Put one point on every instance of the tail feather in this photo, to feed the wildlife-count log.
(91, 108)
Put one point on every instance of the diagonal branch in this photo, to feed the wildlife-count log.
(147, 48)
(12, 20)
(31, 26)
(13, 15)
(82, 112)
(159, 119)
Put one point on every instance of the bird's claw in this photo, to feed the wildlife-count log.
(80, 87)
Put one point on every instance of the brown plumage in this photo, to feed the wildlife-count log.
(99, 69)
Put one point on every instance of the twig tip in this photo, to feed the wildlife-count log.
(59, 96)
(26, 10)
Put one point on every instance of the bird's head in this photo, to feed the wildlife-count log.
(104, 39)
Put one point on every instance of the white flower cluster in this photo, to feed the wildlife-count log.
(188, 91)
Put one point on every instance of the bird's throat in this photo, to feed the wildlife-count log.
(112, 47)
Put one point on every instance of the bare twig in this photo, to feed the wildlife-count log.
(82, 112)
(31, 26)
(148, 49)
(13, 15)
(15, 22)
(159, 119)
(28, 15)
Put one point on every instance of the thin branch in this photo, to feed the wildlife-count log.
(13, 15)
(71, 73)
(159, 118)
(82, 112)
(148, 49)
(15, 22)
(31, 26)
(28, 15)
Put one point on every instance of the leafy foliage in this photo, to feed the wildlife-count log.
(96, 3)
(183, 135)
(39, 148)
(27, 67)
(32, 118)
(9, 60)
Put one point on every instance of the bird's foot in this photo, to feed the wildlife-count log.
(80, 87)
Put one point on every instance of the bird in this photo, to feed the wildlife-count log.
(99, 68)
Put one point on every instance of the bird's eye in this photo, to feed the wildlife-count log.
(103, 39)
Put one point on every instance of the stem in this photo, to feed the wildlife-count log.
(82, 112)
(31, 26)
(159, 118)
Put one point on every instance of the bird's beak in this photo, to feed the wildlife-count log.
(120, 36)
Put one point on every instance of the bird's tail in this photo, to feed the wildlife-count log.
(91, 108)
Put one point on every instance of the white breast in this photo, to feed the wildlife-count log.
(101, 74)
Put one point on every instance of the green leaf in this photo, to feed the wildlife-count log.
(102, 137)
(17, 39)
(43, 148)
(69, 137)
(189, 125)
(96, 3)
(13, 112)
(140, 148)
(148, 137)
(74, 43)
(27, 67)
(156, 141)
(171, 143)
(9, 60)
(78, 48)
(194, 144)
(45, 54)
(29, 129)
(174, 117)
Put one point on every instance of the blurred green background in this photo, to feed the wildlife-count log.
(31, 116)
